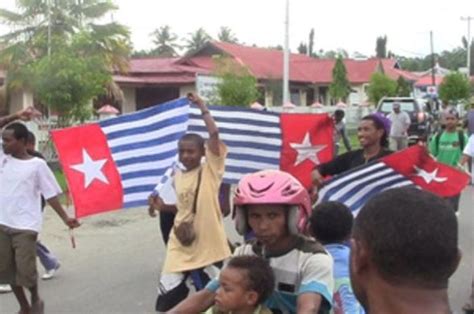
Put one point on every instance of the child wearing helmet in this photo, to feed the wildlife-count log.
(275, 206)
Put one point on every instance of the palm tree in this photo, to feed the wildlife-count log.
(165, 42)
(197, 40)
(226, 35)
(37, 26)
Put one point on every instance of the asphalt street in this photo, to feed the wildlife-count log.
(116, 264)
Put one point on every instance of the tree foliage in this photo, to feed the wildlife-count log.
(403, 87)
(340, 87)
(450, 59)
(381, 47)
(197, 40)
(303, 49)
(311, 43)
(380, 86)
(226, 35)
(165, 42)
(72, 81)
(238, 86)
(455, 87)
(31, 57)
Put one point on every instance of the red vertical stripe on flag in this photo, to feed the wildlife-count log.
(90, 171)
(307, 142)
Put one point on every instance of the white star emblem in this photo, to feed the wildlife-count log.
(92, 169)
(306, 150)
(429, 176)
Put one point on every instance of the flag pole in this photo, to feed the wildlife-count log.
(286, 56)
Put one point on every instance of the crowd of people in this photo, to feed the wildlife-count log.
(396, 256)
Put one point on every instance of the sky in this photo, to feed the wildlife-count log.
(348, 24)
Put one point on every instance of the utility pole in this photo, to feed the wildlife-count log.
(468, 19)
(433, 78)
(286, 56)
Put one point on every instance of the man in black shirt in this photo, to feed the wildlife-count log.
(372, 132)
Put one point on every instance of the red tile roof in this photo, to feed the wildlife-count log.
(391, 70)
(427, 80)
(149, 71)
(264, 64)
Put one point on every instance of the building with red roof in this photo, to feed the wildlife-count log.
(155, 80)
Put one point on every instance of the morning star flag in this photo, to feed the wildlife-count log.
(116, 163)
(413, 166)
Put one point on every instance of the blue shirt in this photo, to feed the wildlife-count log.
(344, 300)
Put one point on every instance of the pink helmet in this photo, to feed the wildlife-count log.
(272, 187)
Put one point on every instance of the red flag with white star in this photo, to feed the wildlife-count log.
(417, 165)
(411, 167)
(307, 142)
(87, 163)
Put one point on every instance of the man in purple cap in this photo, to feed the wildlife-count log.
(373, 133)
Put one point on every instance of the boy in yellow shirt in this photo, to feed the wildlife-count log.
(197, 205)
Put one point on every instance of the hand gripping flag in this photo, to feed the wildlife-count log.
(116, 163)
(410, 167)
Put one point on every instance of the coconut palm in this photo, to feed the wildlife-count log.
(37, 25)
(197, 40)
(226, 35)
(165, 42)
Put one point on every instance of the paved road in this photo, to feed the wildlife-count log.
(115, 267)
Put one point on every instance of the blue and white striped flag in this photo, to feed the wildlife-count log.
(355, 187)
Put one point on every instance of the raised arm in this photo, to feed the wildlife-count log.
(213, 142)
(25, 115)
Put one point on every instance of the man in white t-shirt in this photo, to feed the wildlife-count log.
(468, 154)
(23, 179)
(399, 129)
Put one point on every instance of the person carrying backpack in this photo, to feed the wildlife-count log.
(447, 146)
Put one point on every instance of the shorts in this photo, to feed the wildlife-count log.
(18, 257)
(175, 287)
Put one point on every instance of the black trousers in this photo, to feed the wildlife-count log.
(166, 224)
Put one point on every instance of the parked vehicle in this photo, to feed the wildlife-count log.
(420, 117)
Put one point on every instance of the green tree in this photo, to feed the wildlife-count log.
(403, 87)
(238, 86)
(311, 43)
(165, 42)
(226, 35)
(303, 49)
(380, 86)
(197, 40)
(381, 47)
(72, 81)
(71, 24)
(340, 87)
(28, 39)
(455, 87)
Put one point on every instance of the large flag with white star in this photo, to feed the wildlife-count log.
(413, 166)
(116, 163)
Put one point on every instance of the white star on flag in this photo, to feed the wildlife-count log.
(429, 176)
(92, 169)
(306, 150)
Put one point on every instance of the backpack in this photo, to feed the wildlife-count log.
(460, 135)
